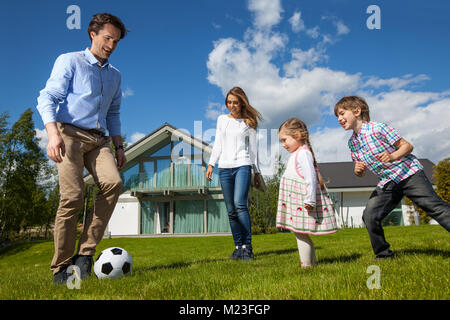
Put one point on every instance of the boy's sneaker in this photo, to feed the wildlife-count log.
(84, 263)
(247, 253)
(61, 276)
(237, 254)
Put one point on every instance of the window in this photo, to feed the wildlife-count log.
(147, 177)
(130, 177)
(163, 173)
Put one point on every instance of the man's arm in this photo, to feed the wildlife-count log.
(54, 92)
(120, 153)
(56, 148)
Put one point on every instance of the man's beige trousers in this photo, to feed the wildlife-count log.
(84, 149)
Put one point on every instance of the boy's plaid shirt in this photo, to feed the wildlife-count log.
(375, 138)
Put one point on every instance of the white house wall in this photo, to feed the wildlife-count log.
(351, 207)
(125, 218)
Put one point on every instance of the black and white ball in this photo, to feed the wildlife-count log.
(113, 263)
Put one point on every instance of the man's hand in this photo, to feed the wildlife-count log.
(360, 168)
(121, 159)
(56, 149)
(308, 207)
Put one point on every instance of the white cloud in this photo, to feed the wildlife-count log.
(396, 83)
(267, 13)
(214, 110)
(43, 138)
(304, 88)
(341, 28)
(127, 93)
(135, 137)
(296, 22)
(303, 59)
(297, 25)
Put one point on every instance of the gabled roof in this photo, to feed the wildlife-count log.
(340, 175)
(164, 132)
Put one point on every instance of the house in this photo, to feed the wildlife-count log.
(165, 188)
(351, 193)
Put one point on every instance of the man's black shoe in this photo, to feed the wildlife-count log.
(84, 264)
(61, 276)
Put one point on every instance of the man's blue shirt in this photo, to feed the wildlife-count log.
(82, 93)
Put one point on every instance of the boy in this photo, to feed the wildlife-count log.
(379, 148)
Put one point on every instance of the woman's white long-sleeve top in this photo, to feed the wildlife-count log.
(235, 144)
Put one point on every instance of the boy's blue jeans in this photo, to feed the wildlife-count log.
(235, 184)
(382, 201)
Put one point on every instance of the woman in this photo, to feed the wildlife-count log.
(236, 150)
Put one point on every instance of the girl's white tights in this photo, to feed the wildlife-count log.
(306, 250)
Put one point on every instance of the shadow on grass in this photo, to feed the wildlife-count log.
(421, 251)
(179, 265)
(341, 259)
(13, 248)
(176, 265)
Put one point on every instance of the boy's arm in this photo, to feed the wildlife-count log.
(403, 147)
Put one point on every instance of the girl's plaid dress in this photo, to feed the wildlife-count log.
(291, 213)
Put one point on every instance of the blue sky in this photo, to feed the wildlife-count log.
(292, 57)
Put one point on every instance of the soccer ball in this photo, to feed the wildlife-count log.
(113, 263)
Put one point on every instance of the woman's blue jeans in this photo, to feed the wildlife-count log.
(235, 184)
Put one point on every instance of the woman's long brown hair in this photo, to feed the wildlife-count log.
(249, 114)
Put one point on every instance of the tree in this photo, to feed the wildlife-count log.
(24, 165)
(263, 205)
(442, 177)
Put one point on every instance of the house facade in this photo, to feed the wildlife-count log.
(165, 189)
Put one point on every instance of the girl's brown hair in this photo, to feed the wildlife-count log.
(298, 130)
(249, 114)
(351, 103)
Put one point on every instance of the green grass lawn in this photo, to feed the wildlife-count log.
(198, 268)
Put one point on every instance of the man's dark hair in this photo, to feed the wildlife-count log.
(100, 19)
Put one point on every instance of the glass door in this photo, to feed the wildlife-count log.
(164, 217)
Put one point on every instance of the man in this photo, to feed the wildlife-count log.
(80, 101)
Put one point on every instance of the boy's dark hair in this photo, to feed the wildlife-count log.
(351, 103)
(100, 19)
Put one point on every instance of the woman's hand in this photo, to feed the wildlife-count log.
(257, 180)
(209, 172)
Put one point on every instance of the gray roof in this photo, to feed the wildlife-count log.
(340, 174)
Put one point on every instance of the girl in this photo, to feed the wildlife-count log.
(235, 149)
(303, 204)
